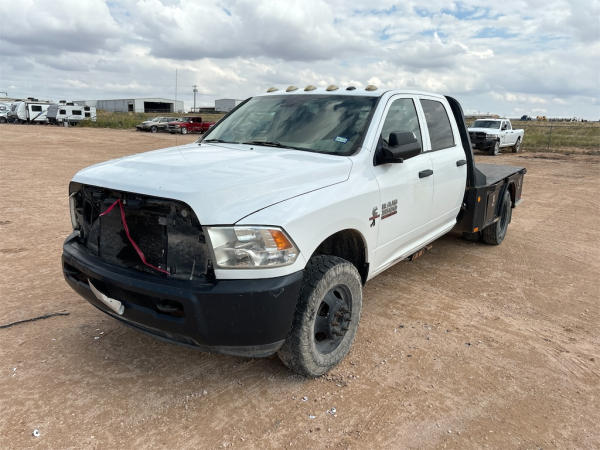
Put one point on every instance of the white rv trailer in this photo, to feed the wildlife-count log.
(69, 113)
(31, 111)
(4, 109)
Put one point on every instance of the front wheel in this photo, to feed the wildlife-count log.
(326, 317)
(184, 131)
(153, 129)
(517, 147)
(495, 149)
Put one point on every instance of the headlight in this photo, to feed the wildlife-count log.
(247, 247)
(72, 211)
(490, 136)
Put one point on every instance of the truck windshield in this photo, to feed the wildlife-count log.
(333, 124)
(486, 124)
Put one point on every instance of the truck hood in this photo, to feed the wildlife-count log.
(485, 130)
(221, 182)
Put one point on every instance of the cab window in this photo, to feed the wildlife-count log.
(401, 117)
(438, 124)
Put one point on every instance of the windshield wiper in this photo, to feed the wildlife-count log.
(266, 143)
(218, 140)
(273, 144)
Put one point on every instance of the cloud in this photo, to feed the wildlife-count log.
(497, 58)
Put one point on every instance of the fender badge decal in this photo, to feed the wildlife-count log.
(389, 209)
(374, 216)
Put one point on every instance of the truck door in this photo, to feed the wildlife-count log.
(406, 189)
(449, 162)
(511, 136)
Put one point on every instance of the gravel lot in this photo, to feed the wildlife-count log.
(469, 346)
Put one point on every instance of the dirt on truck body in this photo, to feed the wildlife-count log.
(509, 361)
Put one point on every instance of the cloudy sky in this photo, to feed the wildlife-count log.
(509, 57)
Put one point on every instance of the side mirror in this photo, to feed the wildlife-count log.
(400, 146)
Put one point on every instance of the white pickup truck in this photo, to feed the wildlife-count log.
(493, 134)
(258, 238)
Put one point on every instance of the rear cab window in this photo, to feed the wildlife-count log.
(438, 124)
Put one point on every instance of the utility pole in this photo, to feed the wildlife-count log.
(195, 92)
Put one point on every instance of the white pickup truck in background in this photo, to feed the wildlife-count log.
(492, 134)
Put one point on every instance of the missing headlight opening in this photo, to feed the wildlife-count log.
(151, 234)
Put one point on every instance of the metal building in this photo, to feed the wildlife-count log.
(138, 105)
(226, 104)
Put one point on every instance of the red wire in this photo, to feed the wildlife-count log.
(126, 228)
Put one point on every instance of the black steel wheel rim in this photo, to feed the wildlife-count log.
(504, 217)
(332, 320)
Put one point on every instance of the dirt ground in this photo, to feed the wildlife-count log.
(469, 346)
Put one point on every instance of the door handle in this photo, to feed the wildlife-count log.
(425, 173)
(461, 162)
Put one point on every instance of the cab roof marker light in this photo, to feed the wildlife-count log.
(351, 88)
(310, 87)
(272, 89)
(291, 89)
(371, 87)
(332, 87)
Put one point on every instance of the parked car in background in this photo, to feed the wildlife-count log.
(190, 125)
(491, 135)
(156, 124)
(525, 117)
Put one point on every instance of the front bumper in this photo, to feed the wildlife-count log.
(483, 144)
(236, 317)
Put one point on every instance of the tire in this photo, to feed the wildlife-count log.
(495, 150)
(495, 233)
(326, 317)
(517, 147)
(184, 130)
(153, 129)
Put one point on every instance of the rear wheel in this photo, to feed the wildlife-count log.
(326, 317)
(495, 233)
(517, 147)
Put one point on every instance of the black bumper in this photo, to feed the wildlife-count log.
(236, 317)
(483, 144)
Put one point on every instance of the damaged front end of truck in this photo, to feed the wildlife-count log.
(146, 261)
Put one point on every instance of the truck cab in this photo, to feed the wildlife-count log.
(258, 238)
